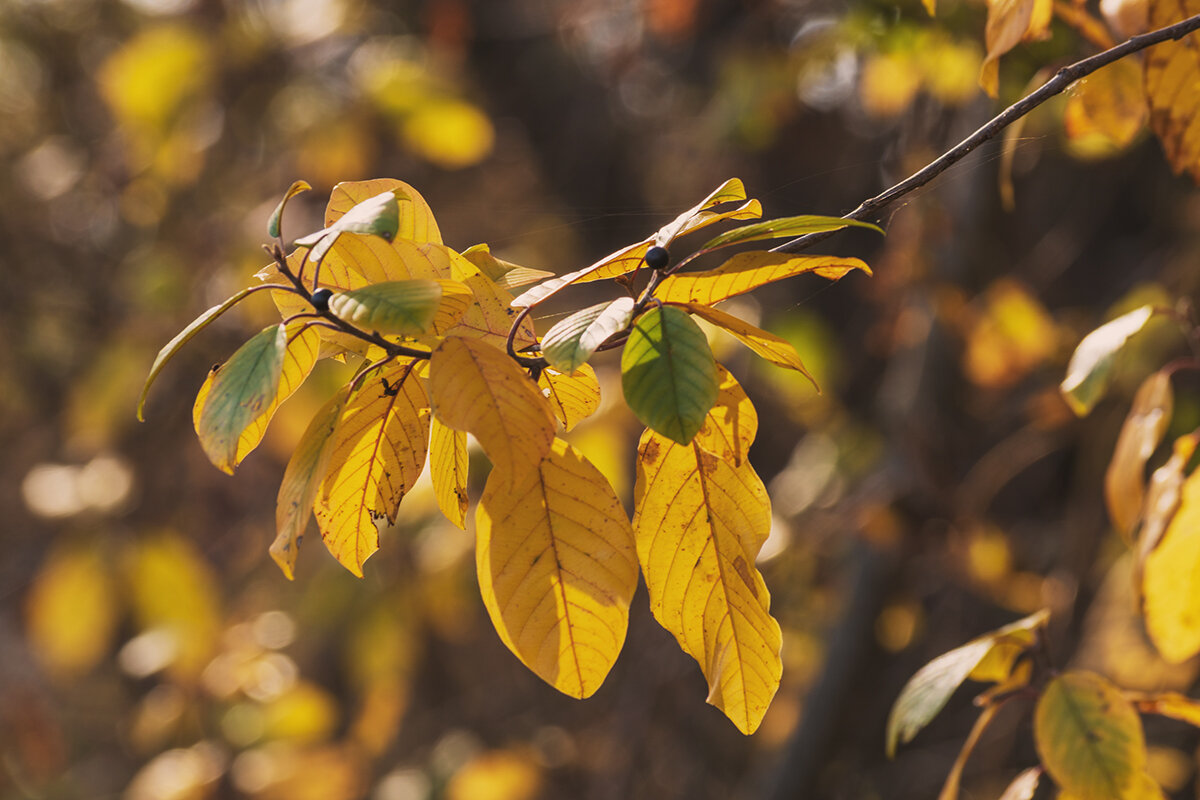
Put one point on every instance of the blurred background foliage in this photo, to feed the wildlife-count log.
(936, 488)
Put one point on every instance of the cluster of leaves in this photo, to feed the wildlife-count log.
(1087, 731)
(443, 349)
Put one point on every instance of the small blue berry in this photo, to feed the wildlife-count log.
(657, 257)
(320, 299)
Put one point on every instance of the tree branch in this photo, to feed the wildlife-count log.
(1061, 80)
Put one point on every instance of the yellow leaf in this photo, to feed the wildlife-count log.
(1090, 738)
(1171, 581)
(1106, 110)
(766, 345)
(301, 479)
(449, 133)
(298, 360)
(1125, 479)
(336, 275)
(147, 80)
(1171, 72)
(557, 568)
(448, 469)
(748, 271)
(572, 397)
(751, 209)
(1009, 23)
(500, 272)
(624, 261)
(497, 775)
(1169, 704)
(1163, 495)
(479, 389)
(71, 613)
(732, 424)
(416, 219)
(376, 454)
(888, 84)
(930, 6)
(304, 713)
(699, 524)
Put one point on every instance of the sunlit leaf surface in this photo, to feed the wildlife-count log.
(1171, 581)
(1088, 371)
(573, 397)
(416, 218)
(1009, 23)
(1170, 81)
(766, 345)
(748, 271)
(573, 339)
(448, 469)
(1125, 479)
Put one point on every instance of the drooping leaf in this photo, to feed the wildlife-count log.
(763, 344)
(243, 388)
(1169, 704)
(415, 217)
(668, 373)
(784, 227)
(928, 691)
(404, 308)
(1170, 74)
(183, 337)
(375, 216)
(954, 779)
(1106, 110)
(1024, 785)
(273, 224)
(1125, 479)
(448, 469)
(500, 272)
(573, 397)
(1171, 581)
(377, 453)
(1163, 494)
(303, 345)
(623, 261)
(748, 271)
(301, 480)
(478, 389)
(700, 523)
(1091, 363)
(557, 568)
(730, 191)
(572, 340)
(1009, 23)
(1089, 737)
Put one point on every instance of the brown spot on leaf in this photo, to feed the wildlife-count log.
(650, 451)
(743, 570)
(708, 462)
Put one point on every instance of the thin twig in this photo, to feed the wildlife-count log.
(1061, 80)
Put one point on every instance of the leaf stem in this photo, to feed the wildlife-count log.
(1061, 80)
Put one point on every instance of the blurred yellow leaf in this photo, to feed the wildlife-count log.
(71, 611)
(888, 84)
(1106, 110)
(376, 454)
(1125, 479)
(172, 589)
(496, 775)
(748, 271)
(304, 714)
(572, 397)
(1090, 368)
(1170, 81)
(1090, 738)
(557, 568)
(700, 522)
(1171, 581)
(1012, 334)
(286, 772)
(948, 68)
(449, 133)
(1009, 23)
(479, 389)
(148, 79)
(1024, 785)
(1169, 704)
(303, 345)
(448, 469)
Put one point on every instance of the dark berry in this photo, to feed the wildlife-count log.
(320, 299)
(657, 257)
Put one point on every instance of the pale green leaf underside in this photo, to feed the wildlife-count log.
(375, 216)
(572, 340)
(1091, 363)
(405, 308)
(273, 224)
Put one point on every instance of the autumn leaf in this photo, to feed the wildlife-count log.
(298, 360)
(572, 340)
(478, 389)
(500, 272)
(416, 222)
(1163, 494)
(557, 568)
(375, 216)
(1106, 110)
(730, 191)
(731, 424)
(1091, 364)
(337, 276)
(573, 397)
(376, 454)
(763, 344)
(1168, 704)
(987, 658)
(273, 224)
(448, 465)
(1170, 80)
(668, 373)
(751, 209)
(1125, 479)
(624, 261)
(71, 611)
(699, 524)
(1089, 737)
(301, 480)
(748, 271)
(1009, 23)
(1171, 581)
(244, 387)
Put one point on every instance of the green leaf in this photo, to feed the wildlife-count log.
(406, 308)
(242, 389)
(570, 343)
(375, 216)
(927, 692)
(668, 373)
(183, 337)
(1091, 364)
(783, 228)
(1090, 738)
(273, 225)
